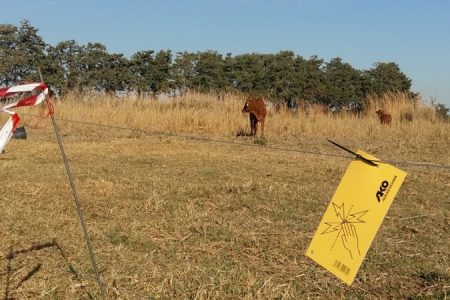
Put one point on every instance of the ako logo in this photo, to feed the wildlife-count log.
(380, 193)
(384, 188)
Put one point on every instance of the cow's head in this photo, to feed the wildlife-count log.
(251, 104)
(246, 108)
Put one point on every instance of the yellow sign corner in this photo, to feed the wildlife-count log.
(354, 216)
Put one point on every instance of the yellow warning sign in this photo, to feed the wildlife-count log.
(353, 216)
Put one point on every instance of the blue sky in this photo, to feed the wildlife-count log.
(415, 34)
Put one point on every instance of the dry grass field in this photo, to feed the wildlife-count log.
(184, 209)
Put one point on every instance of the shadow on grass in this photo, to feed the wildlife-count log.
(256, 140)
(10, 287)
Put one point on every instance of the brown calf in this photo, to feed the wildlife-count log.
(257, 110)
(384, 117)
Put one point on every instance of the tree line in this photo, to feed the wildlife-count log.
(284, 76)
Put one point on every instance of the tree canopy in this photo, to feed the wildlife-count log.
(280, 76)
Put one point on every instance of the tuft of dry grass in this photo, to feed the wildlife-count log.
(174, 218)
(203, 114)
(403, 107)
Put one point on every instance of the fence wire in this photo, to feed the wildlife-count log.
(234, 143)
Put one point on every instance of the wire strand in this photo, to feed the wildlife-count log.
(207, 139)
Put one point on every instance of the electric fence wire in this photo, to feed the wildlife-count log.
(268, 147)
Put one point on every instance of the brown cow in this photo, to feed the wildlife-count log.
(385, 118)
(257, 110)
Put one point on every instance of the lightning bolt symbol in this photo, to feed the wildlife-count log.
(332, 227)
(357, 216)
(340, 211)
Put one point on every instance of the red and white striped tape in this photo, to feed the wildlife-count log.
(21, 88)
(10, 126)
(29, 101)
(8, 129)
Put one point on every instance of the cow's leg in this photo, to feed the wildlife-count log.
(262, 128)
(253, 122)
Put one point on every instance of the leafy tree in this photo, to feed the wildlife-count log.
(385, 77)
(209, 72)
(160, 79)
(250, 73)
(102, 71)
(228, 73)
(21, 51)
(151, 73)
(442, 111)
(31, 49)
(310, 78)
(342, 84)
(183, 71)
(8, 47)
(280, 79)
(142, 64)
(52, 72)
(67, 55)
(90, 63)
(116, 74)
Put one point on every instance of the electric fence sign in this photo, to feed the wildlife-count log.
(354, 215)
